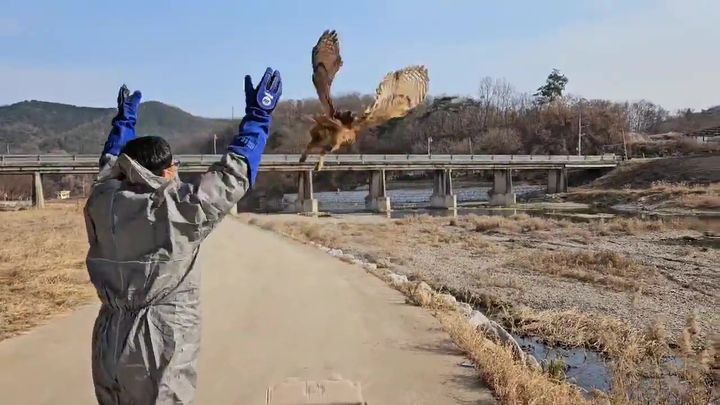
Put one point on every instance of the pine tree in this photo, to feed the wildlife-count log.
(553, 88)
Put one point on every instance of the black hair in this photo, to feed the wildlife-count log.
(151, 152)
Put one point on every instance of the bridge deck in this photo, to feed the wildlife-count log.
(18, 164)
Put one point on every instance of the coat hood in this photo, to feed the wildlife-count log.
(133, 172)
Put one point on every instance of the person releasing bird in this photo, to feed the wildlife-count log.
(397, 94)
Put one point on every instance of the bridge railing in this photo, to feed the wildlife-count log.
(293, 159)
(443, 158)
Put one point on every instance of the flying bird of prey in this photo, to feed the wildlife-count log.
(397, 94)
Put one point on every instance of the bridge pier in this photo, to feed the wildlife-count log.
(306, 203)
(377, 198)
(557, 181)
(38, 199)
(502, 193)
(443, 196)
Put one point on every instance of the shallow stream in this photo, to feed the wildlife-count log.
(584, 368)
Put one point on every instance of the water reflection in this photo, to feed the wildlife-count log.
(401, 199)
(585, 368)
(473, 200)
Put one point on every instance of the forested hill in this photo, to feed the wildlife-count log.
(44, 127)
(504, 122)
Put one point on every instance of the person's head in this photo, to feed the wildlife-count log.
(154, 154)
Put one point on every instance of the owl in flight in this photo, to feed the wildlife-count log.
(397, 94)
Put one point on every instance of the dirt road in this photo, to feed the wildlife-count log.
(272, 309)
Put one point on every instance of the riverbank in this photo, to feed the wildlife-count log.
(637, 291)
(674, 186)
(659, 199)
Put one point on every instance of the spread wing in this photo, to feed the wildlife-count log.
(326, 62)
(398, 93)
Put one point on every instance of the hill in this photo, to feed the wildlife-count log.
(455, 124)
(43, 127)
(691, 170)
(689, 121)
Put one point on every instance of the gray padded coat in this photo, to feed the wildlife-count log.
(145, 233)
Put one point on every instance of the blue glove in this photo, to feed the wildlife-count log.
(123, 125)
(260, 102)
(264, 97)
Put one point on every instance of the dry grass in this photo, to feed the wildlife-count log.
(697, 367)
(630, 226)
(678, 195)
(682, 188)
(575, 329)
(633, 357)
(581, 231)
(623, 346)
(603, 267)
(632, 353)
(499, 282)
(488, 223)
(512, 382)
(685, 196)
(42, 268)
(380, 240)
(688, 169)
(700, 201)
(637, 226)
(519, 223)
(629, 353)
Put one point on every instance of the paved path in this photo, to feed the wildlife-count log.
(272, 309)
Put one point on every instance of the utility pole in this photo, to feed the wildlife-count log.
(472, 152)
(429, 141)
(214, 144)
(232, 114)
(579, 130)
(624, 144)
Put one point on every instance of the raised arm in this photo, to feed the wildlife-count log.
(225, 183)
(260, 102)
(123, 126)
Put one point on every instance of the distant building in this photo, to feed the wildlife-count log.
(62, 194)
(705, 135)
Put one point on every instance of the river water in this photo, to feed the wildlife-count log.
(472, 200)
(402, 199)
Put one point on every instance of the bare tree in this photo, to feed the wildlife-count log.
(645, 116)
(500, 141)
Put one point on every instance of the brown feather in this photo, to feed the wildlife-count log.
(397, 94)
(326, 62)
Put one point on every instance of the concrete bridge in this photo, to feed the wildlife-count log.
(442, 166)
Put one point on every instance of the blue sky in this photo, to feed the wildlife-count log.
(194, 54)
